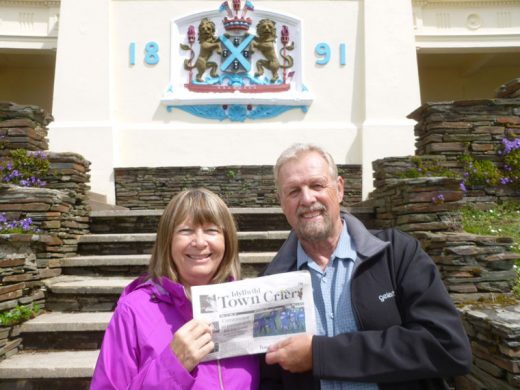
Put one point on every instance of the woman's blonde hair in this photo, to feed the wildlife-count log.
(200, 206)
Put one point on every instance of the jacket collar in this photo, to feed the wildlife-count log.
(366, 244)
(163, 289)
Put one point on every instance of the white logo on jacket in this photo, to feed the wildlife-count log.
(387, 295)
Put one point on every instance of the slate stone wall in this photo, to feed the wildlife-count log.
(21, 274)
(59, 211)
(23, 127)
(477, 270)
(494, 333)
(476, 126)
(239, 186)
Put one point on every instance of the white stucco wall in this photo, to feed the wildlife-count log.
(110, 111)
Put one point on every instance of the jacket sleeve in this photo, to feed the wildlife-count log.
(430, 341)
(118, 362)
(270, 375)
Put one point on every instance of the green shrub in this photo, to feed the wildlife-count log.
(426, 167)
(18, 315)
(480, 172)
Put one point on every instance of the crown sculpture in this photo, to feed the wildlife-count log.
(237, 48)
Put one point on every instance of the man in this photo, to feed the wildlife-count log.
(384, 318)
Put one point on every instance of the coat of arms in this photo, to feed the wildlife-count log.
(236, 49)
(236, 46)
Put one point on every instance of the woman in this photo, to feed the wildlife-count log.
(152, 340)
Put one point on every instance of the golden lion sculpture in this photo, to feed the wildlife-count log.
(208, 44)
(264, 42)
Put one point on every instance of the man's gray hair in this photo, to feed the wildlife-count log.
(294, 151)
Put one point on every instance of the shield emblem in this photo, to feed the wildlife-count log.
(236, 54)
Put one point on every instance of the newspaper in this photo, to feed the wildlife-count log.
(249, 315)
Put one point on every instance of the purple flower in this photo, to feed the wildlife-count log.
(38, 154)
(462, 186)
(505, 180)
(26, 224)
(15, 225)
(438, 199)
(509, 146)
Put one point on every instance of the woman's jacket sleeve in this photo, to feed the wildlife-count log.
(119, 363)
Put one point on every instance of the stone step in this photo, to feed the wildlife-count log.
(105, 261)
(150, 237)
(65, 284)
(247, 219)
(142, 243)
(65, 331)
(112, 265)
(142, 260)
(66, 322)
(48, 370)
(146, 221)
(98, 201)
(84, 293)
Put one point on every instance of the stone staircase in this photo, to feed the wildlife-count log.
(60, 347)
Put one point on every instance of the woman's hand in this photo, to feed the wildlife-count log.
(192, 342)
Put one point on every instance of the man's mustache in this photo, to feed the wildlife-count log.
(316, 207)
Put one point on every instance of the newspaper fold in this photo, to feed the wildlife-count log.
(249, 315)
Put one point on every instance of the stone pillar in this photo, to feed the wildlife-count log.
(82, 96)
(391, 83)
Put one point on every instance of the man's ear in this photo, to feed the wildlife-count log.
(340, 182)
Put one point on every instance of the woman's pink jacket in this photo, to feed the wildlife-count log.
(135, 353)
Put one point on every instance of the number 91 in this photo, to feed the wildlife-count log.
(322, 50)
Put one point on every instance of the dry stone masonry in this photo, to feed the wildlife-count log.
(23, 127)
(239, 186)
(59, 210)
(476, 127)
(477, 270)
(473, 267)
(494, 333)
(21, 276)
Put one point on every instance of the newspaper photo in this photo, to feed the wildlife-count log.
(249, 315)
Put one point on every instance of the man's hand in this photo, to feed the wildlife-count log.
(192, 342)
(294, 354)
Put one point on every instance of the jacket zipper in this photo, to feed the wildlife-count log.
(220, 381)
(354, 308)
